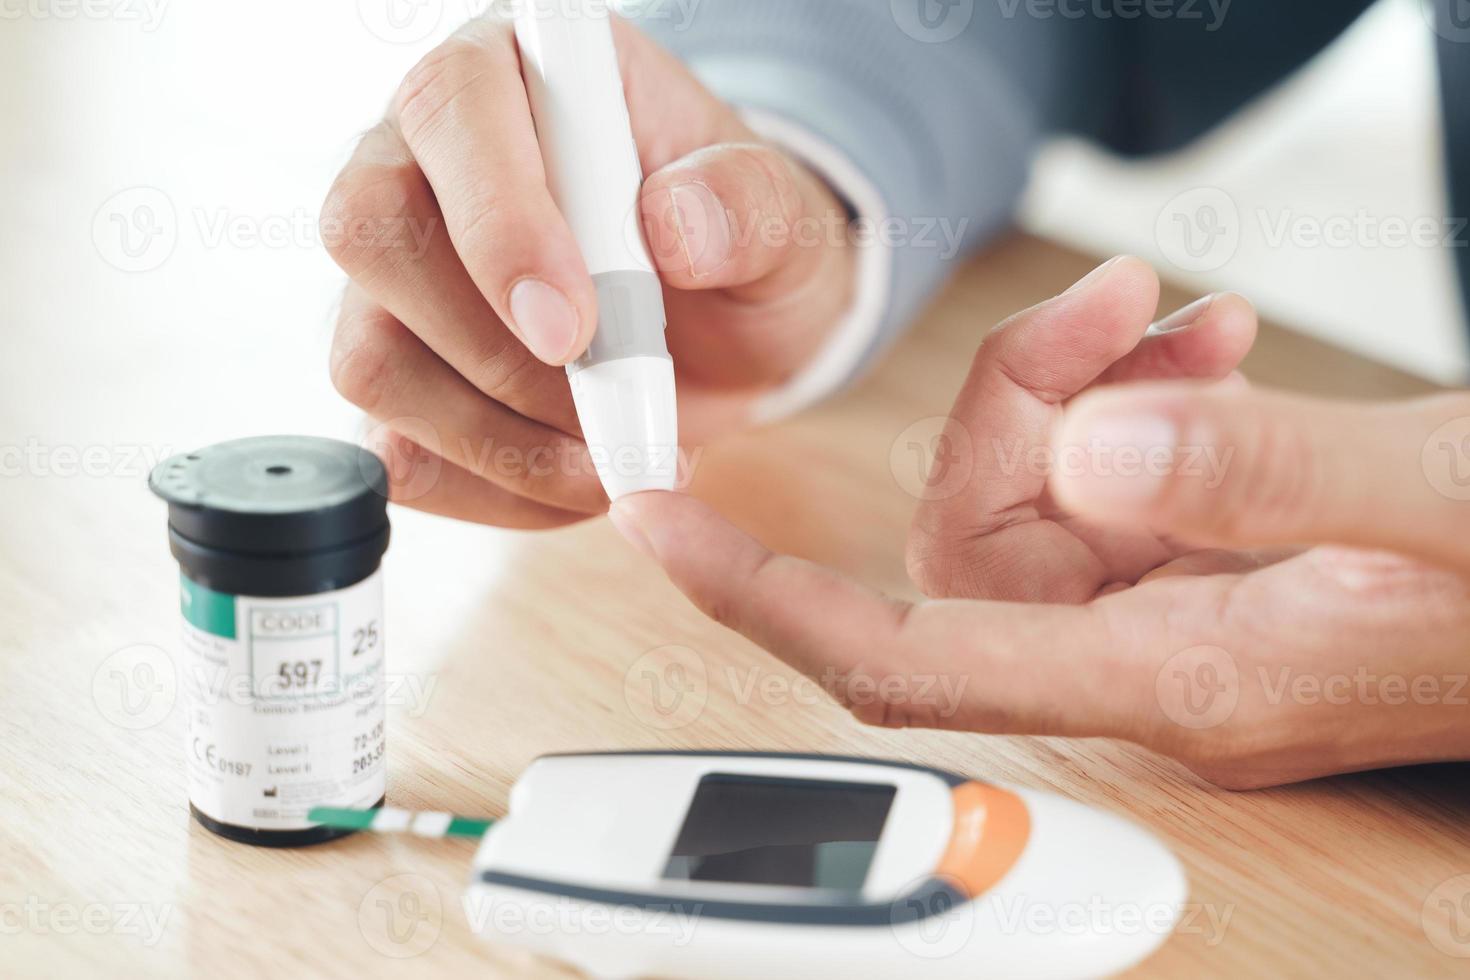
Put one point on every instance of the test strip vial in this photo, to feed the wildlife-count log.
(280, 541)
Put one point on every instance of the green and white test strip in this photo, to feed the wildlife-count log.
(391, 820)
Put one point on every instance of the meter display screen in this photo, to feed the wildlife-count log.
(758, 830)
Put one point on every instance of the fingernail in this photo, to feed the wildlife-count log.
(1184, 318)
(1123, 458)
(626, 522)
(545, 320)
(1094, 275)
(702, 227)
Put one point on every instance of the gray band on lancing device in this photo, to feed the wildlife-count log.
(630, 319)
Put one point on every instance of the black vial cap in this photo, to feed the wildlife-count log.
(276, 515)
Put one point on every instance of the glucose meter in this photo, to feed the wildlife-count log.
(747, 864)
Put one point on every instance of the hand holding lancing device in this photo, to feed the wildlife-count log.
(467, 334)
(1072, 603)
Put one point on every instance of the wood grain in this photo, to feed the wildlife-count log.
(528, 644)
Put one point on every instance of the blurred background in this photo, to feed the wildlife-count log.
(1351, 142)
(164, 286)
(163, 163)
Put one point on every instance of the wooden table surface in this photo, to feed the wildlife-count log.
(525, 644)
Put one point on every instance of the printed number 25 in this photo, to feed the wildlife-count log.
(365, 638)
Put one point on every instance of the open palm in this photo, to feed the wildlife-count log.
(1083, 553)
(989, 526)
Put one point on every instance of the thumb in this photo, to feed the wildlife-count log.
(748, 238)
(1263, 468)
(744, 217)
(720, 209)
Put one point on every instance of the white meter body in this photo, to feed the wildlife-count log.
(756, 864)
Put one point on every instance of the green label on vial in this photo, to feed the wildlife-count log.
(213, 612)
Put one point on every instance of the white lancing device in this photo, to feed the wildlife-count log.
(623, 386)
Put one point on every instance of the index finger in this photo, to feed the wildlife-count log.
(464, 114)
(976, 666)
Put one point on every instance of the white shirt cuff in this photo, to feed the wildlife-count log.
(842, 355)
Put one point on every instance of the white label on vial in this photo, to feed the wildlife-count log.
(285, 703)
